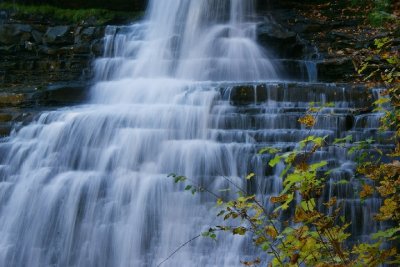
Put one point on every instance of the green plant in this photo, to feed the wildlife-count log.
(380, 12)
(70, 15)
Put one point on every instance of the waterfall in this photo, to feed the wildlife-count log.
(187, 91)
(87, 185)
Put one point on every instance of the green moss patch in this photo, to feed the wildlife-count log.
(101, 16)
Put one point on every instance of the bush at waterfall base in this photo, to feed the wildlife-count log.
(317, 235)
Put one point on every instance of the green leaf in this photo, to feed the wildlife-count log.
(265, 246)
(386, 234)
(239, 230)
(329, 104)
(275, 161)
(269, 150)
(381, 101)
(188, 187)
(318, 165)
(205, 234)
(308, 205)
(290, 180)
(251, 175)
(346, 139)
(178, 179)
(285, 205)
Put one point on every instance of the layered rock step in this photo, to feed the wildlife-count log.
(267, 115)
(20, 105)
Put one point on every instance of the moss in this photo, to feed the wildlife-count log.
(102, 16)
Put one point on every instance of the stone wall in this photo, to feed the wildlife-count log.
(42, 65)
(35, 54)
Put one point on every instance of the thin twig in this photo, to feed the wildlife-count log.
(179, 248)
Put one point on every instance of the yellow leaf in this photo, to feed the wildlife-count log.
(271, 231)
(366, 191)
(308, 120)
(251, 175)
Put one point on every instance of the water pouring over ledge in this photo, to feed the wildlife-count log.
(86, 186)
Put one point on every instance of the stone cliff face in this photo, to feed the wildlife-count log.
(43, 63)
(35, 54)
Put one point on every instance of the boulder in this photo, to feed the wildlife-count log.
(60, 35)
(37, 36)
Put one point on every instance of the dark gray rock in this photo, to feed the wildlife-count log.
(97, 47)
(60, 35)
(14, 33)
(87, 35)
(335, 69)
(62, 94)
(283, 43)
(7, 49)
(5, 117)
(248, 94)
(37, 36)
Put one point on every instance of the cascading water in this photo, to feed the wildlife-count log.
(87, 186)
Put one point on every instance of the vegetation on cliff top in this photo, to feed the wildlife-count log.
(66, 15)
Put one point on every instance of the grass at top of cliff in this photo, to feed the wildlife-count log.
(101, 16)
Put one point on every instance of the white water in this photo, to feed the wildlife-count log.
(87, 186)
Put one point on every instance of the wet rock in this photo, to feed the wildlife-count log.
(5, 117)
(82, 48)
(248, 94)
(309, 27)
(300, 92)
(62, 94)
(5, 130)
(8, 49)
(349, 124)
(87, 35)
(44, 49)
(58, 35)
(336, 69)
(3, 15)
(14, 33)
(37, 36)
(11, 99)
(282, 42)
(243, 95)
(97, 47)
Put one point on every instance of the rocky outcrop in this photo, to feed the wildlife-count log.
(324, 33)
(35, 55)
(43, 64)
